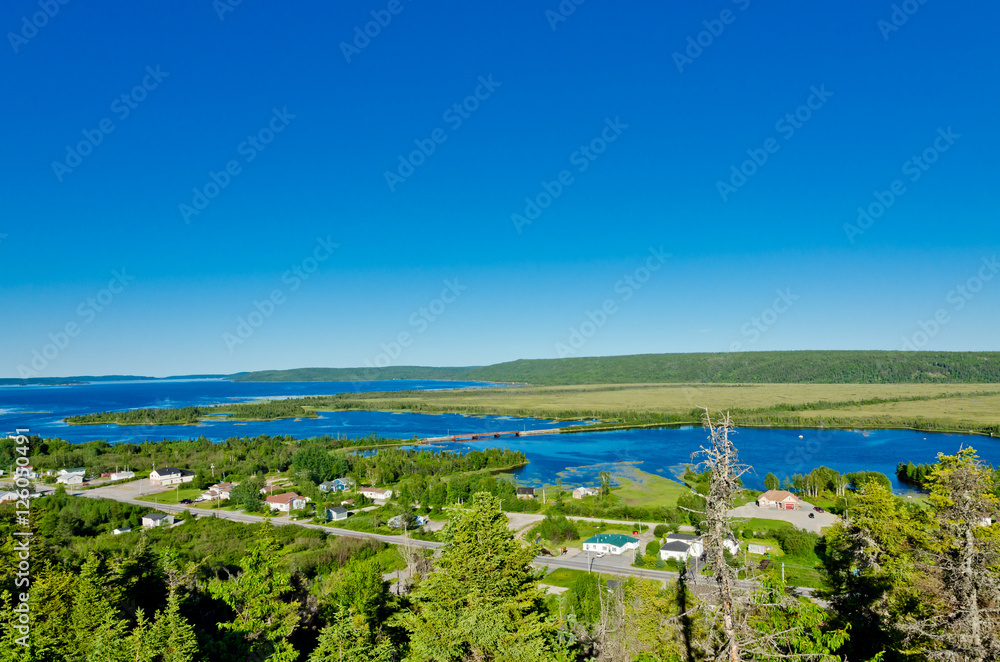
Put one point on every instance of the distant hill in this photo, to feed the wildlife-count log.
(87, 379)
(801, 367)
(352, 374)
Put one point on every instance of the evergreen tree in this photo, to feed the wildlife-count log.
(483, 600)
(263, 620)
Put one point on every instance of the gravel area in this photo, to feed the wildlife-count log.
(798, 518)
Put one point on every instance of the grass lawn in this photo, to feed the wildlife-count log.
(173, 496)
(563, 577)
(647, 489)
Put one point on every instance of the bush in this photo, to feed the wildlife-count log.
(795, 542)
(661, 530)
(653, 548)
(660, 564)
(557, 529)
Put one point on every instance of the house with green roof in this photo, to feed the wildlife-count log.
(614, 543)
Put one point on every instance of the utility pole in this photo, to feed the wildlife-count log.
(782, 572)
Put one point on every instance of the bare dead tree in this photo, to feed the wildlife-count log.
(612, 626)
(722, 460)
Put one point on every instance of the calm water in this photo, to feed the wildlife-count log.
(42, 408)
(576, 458)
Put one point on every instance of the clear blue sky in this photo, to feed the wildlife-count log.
(668, 128)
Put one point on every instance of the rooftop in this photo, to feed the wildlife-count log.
(675, 546)
(616, 539)
(287, 497)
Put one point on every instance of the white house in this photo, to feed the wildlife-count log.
(375, 493)
(615, 543)
(122, 475)
(525, 493)
(681, 546)
(120, 531)
(780, 499)
(156, 519)
(71, 476)
(286, 502)
(9, 496)
(170, 476)
(582, 492)
(220, 490)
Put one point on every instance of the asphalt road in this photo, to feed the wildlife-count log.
(577, 562)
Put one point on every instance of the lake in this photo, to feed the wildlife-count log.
(575, 458)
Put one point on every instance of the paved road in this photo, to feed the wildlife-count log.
(608, 564)
(246, 518)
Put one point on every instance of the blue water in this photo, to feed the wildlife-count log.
(578, 458)
(42, 409)
(575, 458)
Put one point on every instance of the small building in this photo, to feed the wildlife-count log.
(525, 493)
(66, 472)
(154, 520)
(27, 471)
(286, 502)
(220, 490)
(615, 543)
(9, 496)
(122, 475)
(336, 513)
(170, 476)
(337, 485)
(70, 479)
(375, 493)
(582, 492)
(754, 548)
(397, 521)
(679, 550)
(122, 530)
(780, 499)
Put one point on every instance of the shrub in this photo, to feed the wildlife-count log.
(653, 548)
(661, 530)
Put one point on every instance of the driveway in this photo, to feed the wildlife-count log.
(798, 518)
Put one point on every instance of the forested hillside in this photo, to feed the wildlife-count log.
(805, 367)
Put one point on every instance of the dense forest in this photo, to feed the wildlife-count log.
(784, 367)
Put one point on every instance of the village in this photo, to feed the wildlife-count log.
(605, 544)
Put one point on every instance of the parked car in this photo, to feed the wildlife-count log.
(812, 515)
(185, 501)
(818, 509)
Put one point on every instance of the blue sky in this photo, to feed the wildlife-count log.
(309, 128)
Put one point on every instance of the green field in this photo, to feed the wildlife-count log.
(563, 577)
(649, 490)
(173, 496)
